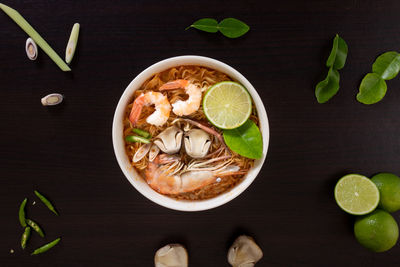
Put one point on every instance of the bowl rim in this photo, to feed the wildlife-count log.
(137, 181)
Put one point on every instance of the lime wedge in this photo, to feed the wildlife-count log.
(356, 194)
(227, 105)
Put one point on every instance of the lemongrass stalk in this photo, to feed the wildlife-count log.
(73, 41)
(17, 18)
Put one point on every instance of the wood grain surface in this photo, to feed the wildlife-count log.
(66, 151)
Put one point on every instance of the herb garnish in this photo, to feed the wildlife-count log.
(338, 55)
(372, 89)
(229, 27)
(328, 87)
(373, 86)
(387, 65)
(245, 140)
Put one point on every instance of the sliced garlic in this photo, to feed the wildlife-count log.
(71, 46)
(171, 255)
(52, 99)
(31, 49)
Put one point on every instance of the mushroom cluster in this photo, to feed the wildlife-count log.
(196, 142)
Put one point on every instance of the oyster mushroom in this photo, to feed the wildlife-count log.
(244, 252)
(31, 49)
(197, 143)
(170, 140)
(171, 255)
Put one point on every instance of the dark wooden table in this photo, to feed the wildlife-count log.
(66, 151)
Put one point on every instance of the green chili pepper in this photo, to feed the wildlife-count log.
(46, 202)
(141, 133)
(21, 213)
(46, 247)
(25, 237)
(135, 139)
(35, 227)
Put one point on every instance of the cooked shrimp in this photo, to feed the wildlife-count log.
(161, 103)
(188, 106)
(166, 179)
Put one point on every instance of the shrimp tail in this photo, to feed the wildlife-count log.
(177, 84)
(136, 109)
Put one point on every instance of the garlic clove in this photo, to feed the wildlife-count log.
(31, 49)
(52, 99)
(244, 252)
(171, 255)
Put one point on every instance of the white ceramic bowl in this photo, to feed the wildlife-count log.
(138, 182)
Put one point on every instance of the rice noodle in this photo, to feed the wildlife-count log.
(203, 78)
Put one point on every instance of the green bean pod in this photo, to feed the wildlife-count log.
(136, 139)
(21, 213)
(46, 247)
(25, 237)
(35, 227)
(46, 202)
(141, 133)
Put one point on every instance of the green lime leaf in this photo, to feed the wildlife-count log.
(338, 55)
(372, 89)
(327, 88)
(233, 28)
(245, 140)
(387, 65)
(230, 27)
(207, 25)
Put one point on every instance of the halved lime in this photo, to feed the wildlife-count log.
(356, 194)
(227, 105)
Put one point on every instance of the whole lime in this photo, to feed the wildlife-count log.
(389, 189)
(377, 231)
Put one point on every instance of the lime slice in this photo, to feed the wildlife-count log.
(356, 194)
(227, 105)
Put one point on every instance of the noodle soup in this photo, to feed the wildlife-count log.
(170, 142)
